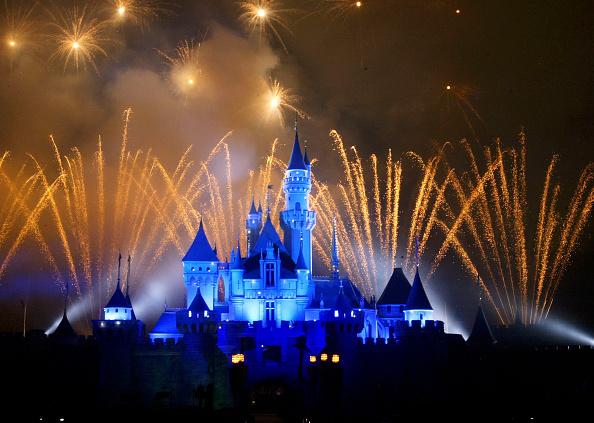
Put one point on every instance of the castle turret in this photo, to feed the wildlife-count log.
(297, 221)
(201, 269)
(118, 334)
(418, 306)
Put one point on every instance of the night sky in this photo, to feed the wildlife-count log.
(377, 74)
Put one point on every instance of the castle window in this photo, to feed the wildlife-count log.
(270, 310)
(269, 274)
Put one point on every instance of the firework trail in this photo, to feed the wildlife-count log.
(519, 271)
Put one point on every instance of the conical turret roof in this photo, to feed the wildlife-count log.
(417, 300)
(200, 250)
(198, 304)
(301, 265)
(481, 332)
(397, 289)
(64, 329)
(296, 161)
(118, 300)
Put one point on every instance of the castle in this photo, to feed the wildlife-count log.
(265, 305)
(261, 336)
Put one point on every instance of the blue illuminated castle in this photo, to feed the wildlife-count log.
(272, 284)
(265, 306)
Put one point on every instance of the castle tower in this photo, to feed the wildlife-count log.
(201, 269)
(297, 221)
(418, 306)
(118, 334)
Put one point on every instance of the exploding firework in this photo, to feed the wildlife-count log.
(280, 100)
(184, 67)
(139, 13)
(79, 35)
(264, 16)
(21, 29)
(456, 101)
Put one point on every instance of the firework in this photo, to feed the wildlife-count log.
(184, 67)
(21, 29)
(139, 13)
(79, 35)
(280, 100)
(368, 214)
(519, 271)
(456, 101)
(264, 16)
(339, 8)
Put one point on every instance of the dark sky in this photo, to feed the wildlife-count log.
(376, 74)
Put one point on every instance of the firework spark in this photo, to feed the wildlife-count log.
(264, 16)
(79, 35)
(280, 100)
(456, 101)
(339, 8)
(491, 236)
(140, 13)
(21, 29)
(184, 67)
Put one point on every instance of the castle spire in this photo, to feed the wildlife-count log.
(296, 161)
(335, 261)
(119, 266)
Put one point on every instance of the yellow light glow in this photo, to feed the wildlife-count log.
(274, 102)
(335, 358)
(121, 10)
(75, 44)
(324, 357)
(237, 358)
(190, 81)
(12, 43)
(358, 4)
(448, 87)
(312, 358)
(458, 11)
(261, 13)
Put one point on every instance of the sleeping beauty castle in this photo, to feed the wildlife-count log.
(259, 320)
(261, 339)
